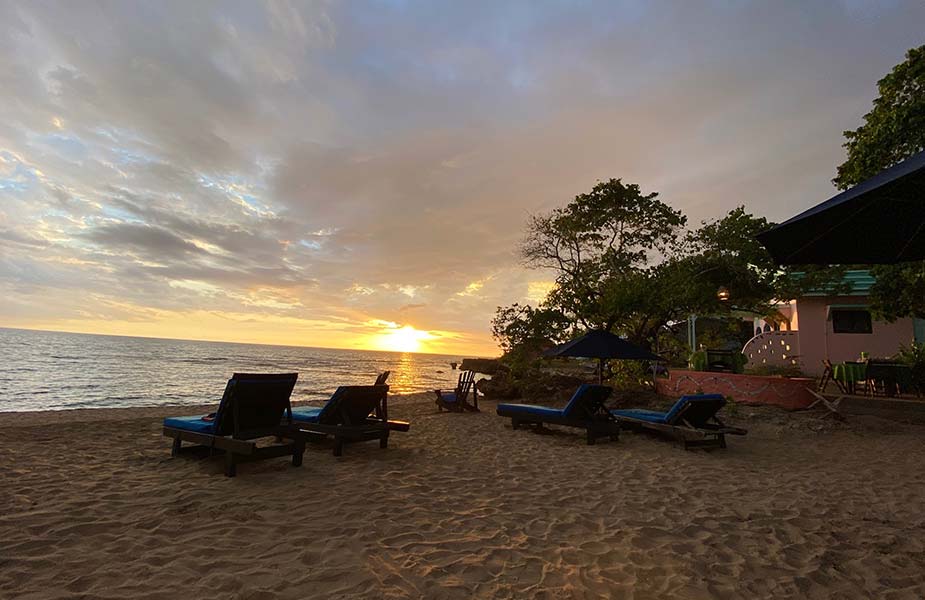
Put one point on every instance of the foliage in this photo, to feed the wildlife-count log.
(523, 332)
(627, 375)
(775, 370)
(899, 291)
(600, 245)
(699, 361)
(914, 356)
(893, 130)
(625, 263)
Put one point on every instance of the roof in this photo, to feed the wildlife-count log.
(860, 280)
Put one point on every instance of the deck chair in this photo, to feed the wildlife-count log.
(354, 413)
(828, 374)
(455, 401)
(382, 378)
(585, 410)
(253, 406)
(692, 421)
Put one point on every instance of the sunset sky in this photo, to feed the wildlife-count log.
(358, 174)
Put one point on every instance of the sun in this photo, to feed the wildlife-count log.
(402, 339)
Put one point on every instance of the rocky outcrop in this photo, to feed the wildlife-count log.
(485, 366)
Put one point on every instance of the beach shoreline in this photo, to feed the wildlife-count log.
(93, 505)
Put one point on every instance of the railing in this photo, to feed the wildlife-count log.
(773, 348)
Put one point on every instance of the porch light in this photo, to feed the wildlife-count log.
(723, 294)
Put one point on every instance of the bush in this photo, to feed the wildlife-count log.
(914, 356)
(776, 370)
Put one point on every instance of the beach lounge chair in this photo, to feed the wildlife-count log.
(585, 410)
(692, 421)
(354, 413)
(382, 378)
(253, 406)
(456, 401)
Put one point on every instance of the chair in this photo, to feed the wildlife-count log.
(455, 401)
(382, 378)
(354, 413)
(828, 374)
(585, 410)
(692, 421)
(253, 406)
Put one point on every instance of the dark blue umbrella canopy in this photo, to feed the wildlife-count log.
(602, 344)
(878, 221)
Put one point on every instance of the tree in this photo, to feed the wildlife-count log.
(599, 242)
(892, 131)
(527, 331)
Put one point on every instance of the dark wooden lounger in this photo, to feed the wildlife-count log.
(355, 413)
(585, 410)
(253, 406)
(692, 421)
(457, 400)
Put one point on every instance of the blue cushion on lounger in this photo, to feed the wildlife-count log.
(195, 424)
(315, 414)
(654, 416)
(307, 414)
(532, 410)
(448, 397)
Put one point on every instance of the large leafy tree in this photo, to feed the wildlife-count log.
(893, 130)
(600, 245)
(624, 262)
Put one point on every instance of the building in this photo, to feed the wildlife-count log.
(839, 328)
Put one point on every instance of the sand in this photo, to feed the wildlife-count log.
(93, 506)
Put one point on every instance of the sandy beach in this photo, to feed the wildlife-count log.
(93, 506)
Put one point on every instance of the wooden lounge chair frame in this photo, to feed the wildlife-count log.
(709, 432)
(237, 406)
(828, 374)
(465, 383)
(358, 413)
(591, 414)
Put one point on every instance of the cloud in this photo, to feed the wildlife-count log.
(316, 166)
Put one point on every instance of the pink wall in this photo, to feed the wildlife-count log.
(817, 341)
(790, 394)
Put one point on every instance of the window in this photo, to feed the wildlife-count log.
(851, 321)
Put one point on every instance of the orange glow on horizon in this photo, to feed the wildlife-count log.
(401, 339)
(275, 330)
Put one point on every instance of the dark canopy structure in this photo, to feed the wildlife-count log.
(878, 221)
(601, 345)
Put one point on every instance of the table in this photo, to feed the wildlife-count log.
(849, 373)
(890, 378)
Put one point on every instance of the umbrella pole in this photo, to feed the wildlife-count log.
(600, 371)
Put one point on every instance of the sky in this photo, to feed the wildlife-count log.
(358, 174)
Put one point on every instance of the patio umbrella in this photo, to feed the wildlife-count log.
(878, 221)
(601, 345)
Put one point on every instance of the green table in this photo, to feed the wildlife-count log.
(849, 373)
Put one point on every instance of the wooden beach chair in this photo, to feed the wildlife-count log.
(354, 413)
(585, 410)
(828, 374)
(456, 401)
(253, 406)
(692, 421)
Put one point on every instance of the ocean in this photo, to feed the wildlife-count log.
(44, 370)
